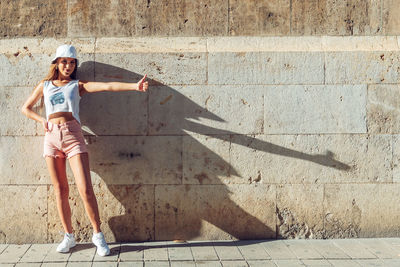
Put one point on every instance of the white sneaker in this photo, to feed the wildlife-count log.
(100, 242)
(67, 243)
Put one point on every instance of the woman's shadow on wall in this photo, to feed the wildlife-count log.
(137, 138)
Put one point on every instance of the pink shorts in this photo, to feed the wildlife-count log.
(64, 140)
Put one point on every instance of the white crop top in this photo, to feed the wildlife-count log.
(62, 99)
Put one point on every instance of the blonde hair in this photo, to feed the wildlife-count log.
(53, 75)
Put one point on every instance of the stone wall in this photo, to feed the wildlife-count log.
(290, 135)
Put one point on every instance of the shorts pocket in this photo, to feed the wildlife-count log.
(73, 128)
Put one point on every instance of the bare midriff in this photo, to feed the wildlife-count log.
(61, 117)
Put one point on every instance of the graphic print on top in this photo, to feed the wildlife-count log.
(57, 98)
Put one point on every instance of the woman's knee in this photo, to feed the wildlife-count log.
(61, 191)
(87, 193)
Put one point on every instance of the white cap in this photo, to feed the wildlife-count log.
(65, 51)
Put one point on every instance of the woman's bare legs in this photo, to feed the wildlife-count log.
(80, 167)
(56, 167)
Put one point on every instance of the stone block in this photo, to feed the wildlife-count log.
(193, 212)
(154, 44)
(315, 109)
(330, 17)
(101, 18)
(22, 162)
(224, 109)
(13, 122)
(390, 17)
(266, 68)
(35, 67)
(23, 223)
(259, 17)
(182, 18)
(126, 213)
(298, 159)
(300, 211)
(396, 158)
(362, 67)
(383, 115)
(350, 212)
(136, 159)
(161, 68)
(114, 113)
(32, 18)
(206, 159)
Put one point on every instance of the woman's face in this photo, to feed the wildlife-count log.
(66, 65)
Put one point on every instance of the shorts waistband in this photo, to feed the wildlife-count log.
(61, 125)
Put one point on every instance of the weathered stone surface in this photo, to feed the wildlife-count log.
(22, 162)
(383, 115)
(182, 18)
(165, 44)
(206, 159)
(33, 18)
(396, 157)
(191, 212)
(350, 212)
(330, 17)
(161, 68)
(312, 158)
(101, 18)
(13, 122)
(136, 159)
(114, 113)
(323, 109)
(35, 68)
(23, 223)
(224, 109)
(299, 211)
(266, 68)
(126, 213)
(390, 17)
(362, 67)
(259, 17)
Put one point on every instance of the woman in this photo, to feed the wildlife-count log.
(61, 93)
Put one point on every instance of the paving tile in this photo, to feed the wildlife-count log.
(54, 264)
(252, 250)
(7, 265)
(205, 252)
(380, 248)
(13, 253)
(227, 252)
(114, 253)
(234, 263)
(131, 252)
(3, 247)
(183, 264)
(328, 249)
(316, 263)
(208, 263)
(28, 264)
(104, 264)
(277, 249)
(131, 264)
(261, 263)
(82, 253)
(80, 264)
(354, 249)
(302, 249)
(155, 251)
(156, 263)
(344, 263)
(54, 256)
(288, 263)
(371, 262)
(180, 253)
(391, 262)
(37, 253)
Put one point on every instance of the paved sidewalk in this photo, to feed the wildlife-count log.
(332, 252)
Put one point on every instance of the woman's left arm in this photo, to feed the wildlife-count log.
(92, 87)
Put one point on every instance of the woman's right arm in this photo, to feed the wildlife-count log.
(26, 109)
